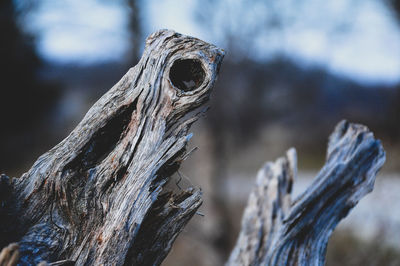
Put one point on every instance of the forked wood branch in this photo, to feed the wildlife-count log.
(99, 197)
(276, 231)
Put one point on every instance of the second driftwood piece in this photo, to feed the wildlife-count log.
(99, 197)
(276, 231)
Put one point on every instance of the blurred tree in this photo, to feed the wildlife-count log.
(395, 115)
(26, 100)
(248, 27)
(135, 28)
(395, 4)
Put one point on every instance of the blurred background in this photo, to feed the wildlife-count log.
(293, 70)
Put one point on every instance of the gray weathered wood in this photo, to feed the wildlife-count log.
(100, 197)
(276, 231)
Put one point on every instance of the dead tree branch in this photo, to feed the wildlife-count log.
(276, 231)
(99, 196)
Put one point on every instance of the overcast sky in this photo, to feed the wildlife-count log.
(85, 32)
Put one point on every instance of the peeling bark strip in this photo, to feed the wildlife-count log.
(278, 232)
(99, 196)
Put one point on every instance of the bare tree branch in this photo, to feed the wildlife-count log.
(278, 232)
(99, 196)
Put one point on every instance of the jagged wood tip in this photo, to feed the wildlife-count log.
(99, 196)
(276, 231)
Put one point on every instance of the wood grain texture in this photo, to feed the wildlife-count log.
(276, 231)
(99, 197)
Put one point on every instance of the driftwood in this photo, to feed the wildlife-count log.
(276, 231)
(101, 197)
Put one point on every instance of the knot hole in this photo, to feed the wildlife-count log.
(187, 74)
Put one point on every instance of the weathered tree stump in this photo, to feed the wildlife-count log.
(276, 231)
(100, 197)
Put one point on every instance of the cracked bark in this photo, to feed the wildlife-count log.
(276, 231)
(100, 197)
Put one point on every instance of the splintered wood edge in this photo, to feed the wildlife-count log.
(96, 196)
(276, 231)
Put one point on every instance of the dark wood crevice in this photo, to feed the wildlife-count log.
(86, 200)
(103, 140)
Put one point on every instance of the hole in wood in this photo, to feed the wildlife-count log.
(103, 141)
(187, 74)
